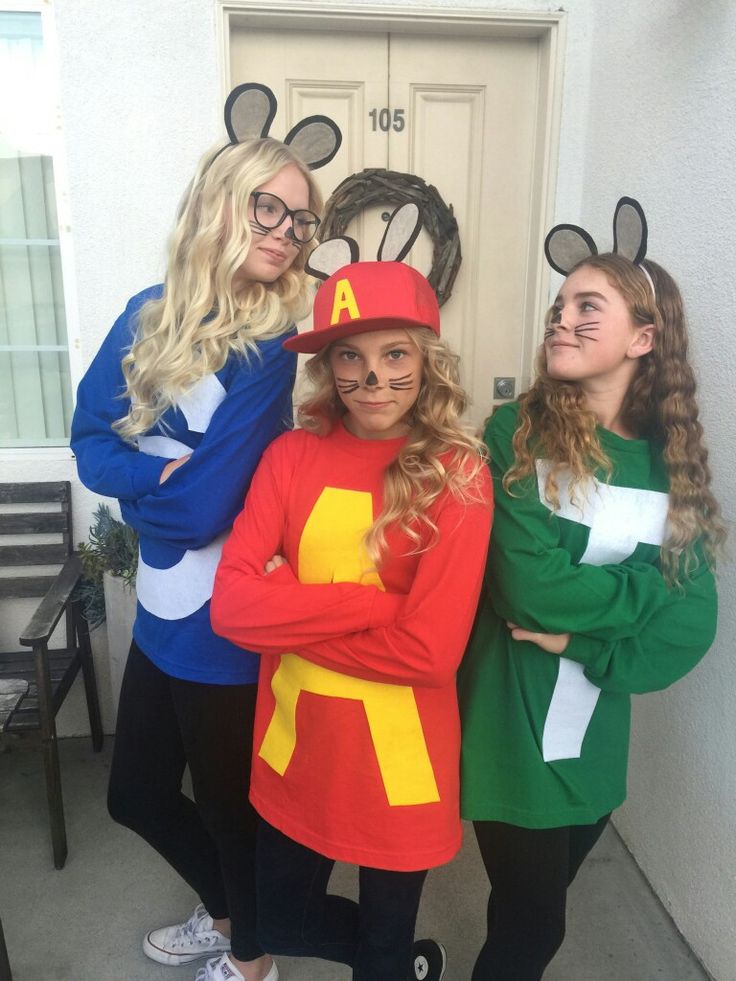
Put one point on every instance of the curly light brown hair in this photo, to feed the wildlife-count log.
(660, 405)
(440, 452)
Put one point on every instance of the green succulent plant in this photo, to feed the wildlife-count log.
(112, 546)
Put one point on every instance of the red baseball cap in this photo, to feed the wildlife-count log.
(365, 296)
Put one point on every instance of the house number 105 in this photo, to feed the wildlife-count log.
(385, 119)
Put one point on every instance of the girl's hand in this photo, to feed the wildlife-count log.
(552, 643)
(171, 466)
(273, 563)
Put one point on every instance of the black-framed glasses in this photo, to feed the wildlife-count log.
(269, 211)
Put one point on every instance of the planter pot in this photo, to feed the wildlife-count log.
(120, 605)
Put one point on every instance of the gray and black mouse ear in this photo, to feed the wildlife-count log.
(566, 245)
(332, 255)
(249, 111)
(630, 230)
(316, 139)
(401, 233)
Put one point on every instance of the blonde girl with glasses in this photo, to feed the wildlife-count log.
(190, 386)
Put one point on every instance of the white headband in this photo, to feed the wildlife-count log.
(650, 281)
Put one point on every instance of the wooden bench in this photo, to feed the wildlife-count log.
(48, 673)
(12, 691)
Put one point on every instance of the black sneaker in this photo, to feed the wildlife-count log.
(430, 961)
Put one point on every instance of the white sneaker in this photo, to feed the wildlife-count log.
(185, 942)
(222, 969)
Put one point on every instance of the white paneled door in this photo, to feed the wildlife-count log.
(463, 113)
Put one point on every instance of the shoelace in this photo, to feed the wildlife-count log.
(187, 932)
(206, 972)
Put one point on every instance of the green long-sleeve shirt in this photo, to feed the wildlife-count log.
(545, 738)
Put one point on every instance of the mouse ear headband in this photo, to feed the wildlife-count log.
(250, 109)
(357, 297)
(401, 233)
(567, 245)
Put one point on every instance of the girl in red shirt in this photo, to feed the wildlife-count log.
(354, 570)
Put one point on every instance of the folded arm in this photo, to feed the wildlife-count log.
(415, 639)
(272, 613)
(533, 579)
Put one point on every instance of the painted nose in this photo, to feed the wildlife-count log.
(371, 379)
(562, 322)
(284, 230)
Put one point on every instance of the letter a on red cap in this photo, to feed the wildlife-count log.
(344, 300)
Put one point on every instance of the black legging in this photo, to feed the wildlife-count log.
(529, 870)
(163, 724)
(299, 918)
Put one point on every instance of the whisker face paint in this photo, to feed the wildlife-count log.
(257, 230)
(377, 376)
(582, 330)
(586, 330)
(401, 384)
(592, 338)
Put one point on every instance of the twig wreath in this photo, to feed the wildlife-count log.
(377, 186)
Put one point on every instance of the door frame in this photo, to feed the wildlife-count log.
(549, 28)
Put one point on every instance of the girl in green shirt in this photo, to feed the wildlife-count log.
(599, 584)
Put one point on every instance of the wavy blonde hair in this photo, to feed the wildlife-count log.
(204, 314)
(660, 405)
(440, 452)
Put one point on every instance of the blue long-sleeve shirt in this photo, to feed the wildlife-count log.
(225, 422)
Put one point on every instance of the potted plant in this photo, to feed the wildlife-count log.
(110, 562)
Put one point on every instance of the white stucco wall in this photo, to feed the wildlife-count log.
(662, 127)
(649, 109)
(140, 102)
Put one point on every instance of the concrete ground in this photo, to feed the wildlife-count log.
(85, 923)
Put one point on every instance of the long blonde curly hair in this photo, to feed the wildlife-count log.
(204, 314)
(440, 452)
(660, 405)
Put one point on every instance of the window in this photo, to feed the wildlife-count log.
(35, 386)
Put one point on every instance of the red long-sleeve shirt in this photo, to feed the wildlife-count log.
(356, 741)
